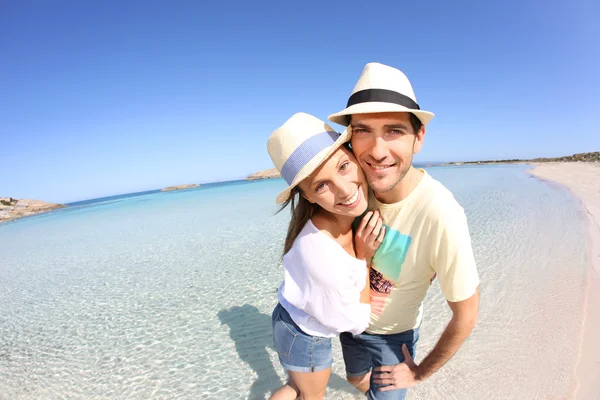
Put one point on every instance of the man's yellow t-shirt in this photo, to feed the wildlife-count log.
(430, 236)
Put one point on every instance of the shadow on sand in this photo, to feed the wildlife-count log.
(252, 333)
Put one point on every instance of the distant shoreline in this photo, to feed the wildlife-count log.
(273, 173)
(580, 157)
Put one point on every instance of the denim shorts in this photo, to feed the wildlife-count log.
(365, 351)
(299, 351)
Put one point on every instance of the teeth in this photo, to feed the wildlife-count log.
(380, 166)
(352, 200)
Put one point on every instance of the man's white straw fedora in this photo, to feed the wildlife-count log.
(300, 146)
(381, 88)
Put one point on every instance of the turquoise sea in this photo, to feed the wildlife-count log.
(168, 295)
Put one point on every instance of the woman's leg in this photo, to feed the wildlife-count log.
(298, 350)
(312, 385)
(289, 391)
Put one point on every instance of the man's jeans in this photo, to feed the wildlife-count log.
(364, 352)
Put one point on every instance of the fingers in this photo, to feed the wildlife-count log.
(372, 224)
(381, 236)
(383, 381)
(363, 223)
(377, 235)
(384, 378)
(384, 368)
(369, 235)
(373, 228)
(375, 232)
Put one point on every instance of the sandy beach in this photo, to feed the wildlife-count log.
(583, 179)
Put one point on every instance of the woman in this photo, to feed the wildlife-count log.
(325, 290)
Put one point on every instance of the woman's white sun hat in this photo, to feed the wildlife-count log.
(300, 146)
(381, 88)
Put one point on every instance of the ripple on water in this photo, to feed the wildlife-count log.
(170, 297)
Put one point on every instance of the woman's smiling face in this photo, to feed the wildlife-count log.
(338, 185)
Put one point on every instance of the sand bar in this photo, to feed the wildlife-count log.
(180, 187)
(583, 179)
(266, 174)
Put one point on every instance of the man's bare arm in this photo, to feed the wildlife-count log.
(464, 318)
(408, 373)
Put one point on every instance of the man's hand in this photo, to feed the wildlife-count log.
(399, 376)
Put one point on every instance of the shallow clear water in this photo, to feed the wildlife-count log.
(169, 295)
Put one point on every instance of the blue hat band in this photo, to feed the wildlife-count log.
(306, 152)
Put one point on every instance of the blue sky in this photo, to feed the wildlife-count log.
(110, 97)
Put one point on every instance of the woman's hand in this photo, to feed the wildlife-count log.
(369, 236)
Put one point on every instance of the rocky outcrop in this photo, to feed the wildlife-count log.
(580, 157)
(180, 187)
(266, 174)
(11, 208)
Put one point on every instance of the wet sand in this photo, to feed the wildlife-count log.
(583, 179)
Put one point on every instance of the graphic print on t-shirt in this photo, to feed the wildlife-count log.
(386, 264)
(390, 255)
(386, 267)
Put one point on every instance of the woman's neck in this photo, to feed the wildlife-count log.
(337, 225)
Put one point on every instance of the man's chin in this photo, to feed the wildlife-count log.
(379, 185)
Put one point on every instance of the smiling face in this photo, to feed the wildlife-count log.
(338, 185)
(384, 144)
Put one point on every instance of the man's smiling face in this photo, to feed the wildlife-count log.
(384, 144)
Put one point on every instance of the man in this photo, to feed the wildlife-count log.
(430, 233)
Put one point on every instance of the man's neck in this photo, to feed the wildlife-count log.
(403, 188)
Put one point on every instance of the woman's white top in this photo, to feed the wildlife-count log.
(322, 285)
